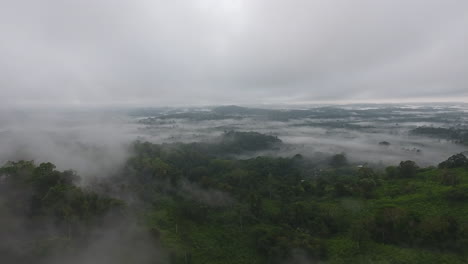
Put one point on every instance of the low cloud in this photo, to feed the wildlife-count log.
(92, 143)
(222, 51)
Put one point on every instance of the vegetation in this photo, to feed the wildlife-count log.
(457, 135)
(43, 212)
(331, 117)
(206, 206)
(274, 210)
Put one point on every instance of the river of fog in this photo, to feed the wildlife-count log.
(97, 142)
(361, 146)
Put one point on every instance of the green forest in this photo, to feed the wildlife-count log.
(201, 203)
(457, 135)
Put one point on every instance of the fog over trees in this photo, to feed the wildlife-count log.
(233, 131)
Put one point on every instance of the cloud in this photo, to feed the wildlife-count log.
(227, 51)
(95, 144)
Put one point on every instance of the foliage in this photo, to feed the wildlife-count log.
(338, 160)
(278, 207)
(53, 212)
(207, 206)
(455, 161)
(457, 135)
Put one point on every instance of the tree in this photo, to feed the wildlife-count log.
(408, 169)
(394, 225)
(338, 160)
(359, 231)
(391, 171)
(439, 231)
(340, 189)
(384, 143)
(367, 186)
(255, 204)
(448, 178)
(457, 194)
(366, 173)
(455, 161)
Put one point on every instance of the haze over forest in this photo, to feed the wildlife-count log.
(233, 131)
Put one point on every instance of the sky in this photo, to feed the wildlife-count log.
(151, 52)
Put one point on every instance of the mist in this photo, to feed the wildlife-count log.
(206, 122)
(97, 142)
(315, 137)
(94, 143)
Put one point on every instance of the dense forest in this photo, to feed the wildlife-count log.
(455, 134)
(201, 203)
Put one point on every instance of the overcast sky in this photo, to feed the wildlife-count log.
(152, 52)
